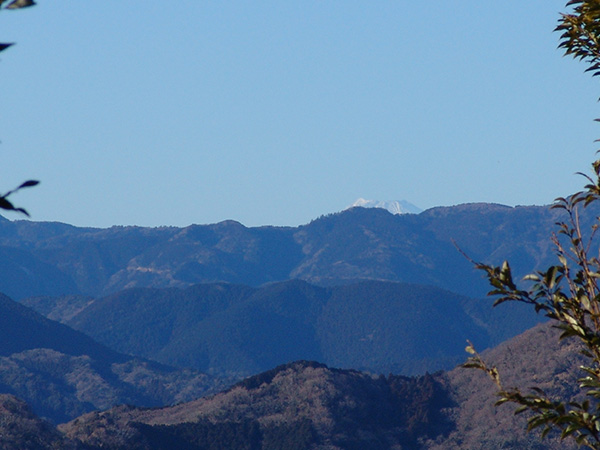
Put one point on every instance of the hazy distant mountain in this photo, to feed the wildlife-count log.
(306, 405)
(136, 289)
(393, 206)
(63, 373)
(55, 259)
(229, 329)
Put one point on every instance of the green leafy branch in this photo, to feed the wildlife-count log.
(547, 413)
(580, 31)
(569, 294)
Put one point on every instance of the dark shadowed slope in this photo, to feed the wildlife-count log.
(24, 329)
(237, 330)
(21, 429)
(63, 373)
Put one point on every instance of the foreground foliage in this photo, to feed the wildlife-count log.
(7, 204)
(569, 291)
(4, 202)
(569, 294)
(15, 4)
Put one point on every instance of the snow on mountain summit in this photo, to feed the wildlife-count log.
(395, 206)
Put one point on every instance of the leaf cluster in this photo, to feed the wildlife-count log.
(15, 4)
(567, 292)
(580, 31)
(7, 204)
(4, 202)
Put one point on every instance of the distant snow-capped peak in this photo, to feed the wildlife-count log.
(395, 206)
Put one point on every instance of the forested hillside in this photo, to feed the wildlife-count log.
(63, 373)
(234, 330)
(306, 405)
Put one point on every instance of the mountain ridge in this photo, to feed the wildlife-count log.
(63, 373)
(237, 330)
(57, 259)
(318, 408)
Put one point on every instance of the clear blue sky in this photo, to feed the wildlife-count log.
(149, 113)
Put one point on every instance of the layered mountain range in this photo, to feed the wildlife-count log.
(234, 330)
(58, 259)
(307, 405)
(159, 316)
(63, 373)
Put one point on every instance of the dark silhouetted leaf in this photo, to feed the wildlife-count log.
(17, 4)
(29, 183)
(5, 46)
(5, 204)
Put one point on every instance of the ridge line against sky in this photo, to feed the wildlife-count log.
(274, 113)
